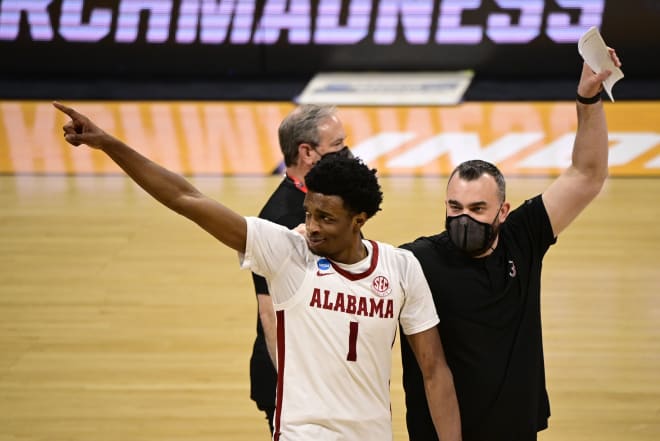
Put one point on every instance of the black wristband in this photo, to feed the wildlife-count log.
(593, 100)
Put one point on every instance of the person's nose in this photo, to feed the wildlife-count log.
(311, 225)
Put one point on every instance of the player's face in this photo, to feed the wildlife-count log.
(331, 229)
(477, 198)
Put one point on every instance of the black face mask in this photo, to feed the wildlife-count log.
(469, 235)
(345, 152)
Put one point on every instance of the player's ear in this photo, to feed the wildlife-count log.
(360, 219)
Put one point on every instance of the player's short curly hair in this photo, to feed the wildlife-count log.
(350, 179)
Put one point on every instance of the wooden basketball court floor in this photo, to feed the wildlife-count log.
(120, 320)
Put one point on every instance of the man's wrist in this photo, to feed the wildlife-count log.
(590, 100)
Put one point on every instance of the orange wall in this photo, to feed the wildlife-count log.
(198, 138)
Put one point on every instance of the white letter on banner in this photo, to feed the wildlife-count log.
(654, 163)
(188, 23)
(559, 27)
(432, 148)
(450, 30)
(626, 147)
(630, 145)
(376, 146)
(158, 23)
(415, 18)
(72, 27)
(500, 29)
(215, 21)
(556, 154)
(28, 149)
(463, 146)
(297, 19)
(329, 31)
(37, 18)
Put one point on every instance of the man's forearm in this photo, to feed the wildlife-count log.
(438, 384)
(591, 148)
(443, 405)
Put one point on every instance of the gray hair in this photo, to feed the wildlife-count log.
(302, 126)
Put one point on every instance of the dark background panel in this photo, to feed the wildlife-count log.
(107, 69)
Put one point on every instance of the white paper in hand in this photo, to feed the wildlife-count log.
(594, 52)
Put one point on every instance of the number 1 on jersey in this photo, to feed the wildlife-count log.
(352, 342)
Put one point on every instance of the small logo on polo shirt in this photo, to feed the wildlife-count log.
(512, 269)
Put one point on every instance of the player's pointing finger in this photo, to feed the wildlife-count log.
(68, 110)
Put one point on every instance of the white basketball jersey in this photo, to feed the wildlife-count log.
(335, 330)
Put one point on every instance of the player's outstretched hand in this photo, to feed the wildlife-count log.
(81, 130)
(591, 82)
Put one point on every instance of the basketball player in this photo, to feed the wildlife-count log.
(338, 298)
(485, 275)
(305, 135)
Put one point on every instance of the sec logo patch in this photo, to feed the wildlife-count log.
(381, 286)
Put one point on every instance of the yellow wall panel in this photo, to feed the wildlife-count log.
(240, 138)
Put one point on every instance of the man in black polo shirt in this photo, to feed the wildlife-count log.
(485, 273)
(306, 134)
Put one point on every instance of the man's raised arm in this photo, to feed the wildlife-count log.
(170, 189)
(578, 185)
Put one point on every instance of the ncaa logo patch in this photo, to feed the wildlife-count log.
(381, 286)
(323, 264)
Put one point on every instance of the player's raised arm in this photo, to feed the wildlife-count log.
(170, 189)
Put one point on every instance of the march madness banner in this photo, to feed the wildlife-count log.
(128, 38)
